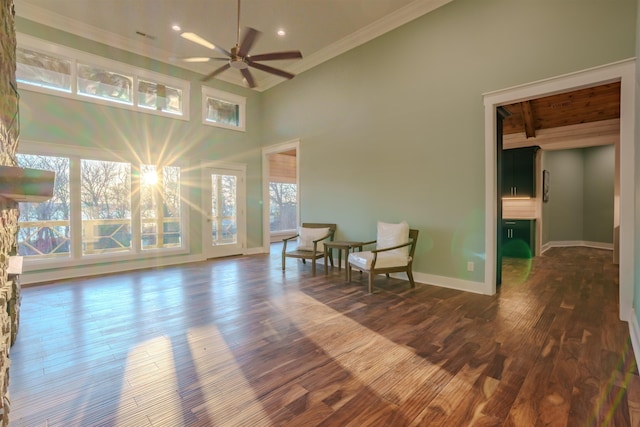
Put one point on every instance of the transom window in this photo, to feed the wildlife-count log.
(59, 70)
(40, 69)
(223, 109)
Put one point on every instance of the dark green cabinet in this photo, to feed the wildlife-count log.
(519, 172)
(518, 238)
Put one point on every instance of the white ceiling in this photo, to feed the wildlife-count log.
(320, 29)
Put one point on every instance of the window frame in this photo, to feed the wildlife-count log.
(79, 57)
(240, 101)
(76, 257)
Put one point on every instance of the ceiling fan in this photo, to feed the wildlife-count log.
(239, 57)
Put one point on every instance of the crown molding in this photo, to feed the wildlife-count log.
(390, 22)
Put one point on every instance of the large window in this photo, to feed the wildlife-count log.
(160, 207)
(106, 206)
(59, 70)
(44, 227)
(93, 217)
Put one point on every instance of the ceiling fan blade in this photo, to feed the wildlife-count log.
(269, 69)
(247, 75)
(197, 59)
(193, 37)
(291, 54)
(216, 72)
(247, 42)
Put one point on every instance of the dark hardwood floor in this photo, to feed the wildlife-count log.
(235, 342)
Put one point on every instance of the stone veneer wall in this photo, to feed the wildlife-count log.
(9, 130)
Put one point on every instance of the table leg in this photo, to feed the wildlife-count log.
(326, 268)
(346, 263)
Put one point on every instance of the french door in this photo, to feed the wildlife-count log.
(224, 203)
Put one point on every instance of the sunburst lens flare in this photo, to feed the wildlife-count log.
(150, 178)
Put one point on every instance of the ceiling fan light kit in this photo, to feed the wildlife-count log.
(238, 57)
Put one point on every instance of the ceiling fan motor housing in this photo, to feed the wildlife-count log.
(236, 61)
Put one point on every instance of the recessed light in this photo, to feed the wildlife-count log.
(176, 27)
(281, 32)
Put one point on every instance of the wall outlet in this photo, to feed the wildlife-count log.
(470, 266)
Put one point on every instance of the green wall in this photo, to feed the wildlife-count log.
(599, 193)
(394, 129)
(581, 195)
(564, 211)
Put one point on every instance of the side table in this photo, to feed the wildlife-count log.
(340, 245)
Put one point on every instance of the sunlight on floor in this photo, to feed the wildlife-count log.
(370, 357)
(150, 365)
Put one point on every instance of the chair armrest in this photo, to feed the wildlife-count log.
(285, 240)
(289, 238)
(375, 251)
(322, 238)
(315, 242)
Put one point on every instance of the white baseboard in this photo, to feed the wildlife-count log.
(47, 275)
(40, 276)
(445, 282)
(634, 332)
(570, 243)
(256, 251)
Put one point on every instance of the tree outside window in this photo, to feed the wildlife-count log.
(283, 207)
(44, 227)
(106, 206)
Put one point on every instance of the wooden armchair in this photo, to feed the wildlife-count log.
(310, 238)
(395, 247)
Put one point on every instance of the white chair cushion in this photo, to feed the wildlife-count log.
(364, 259)
(390, 235)
(306, 236)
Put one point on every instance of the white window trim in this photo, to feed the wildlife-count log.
(241, 101)
(75, 56)
(75, 257)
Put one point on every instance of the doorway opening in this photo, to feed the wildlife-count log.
(622, 72)
(572, 136)
(280, 192)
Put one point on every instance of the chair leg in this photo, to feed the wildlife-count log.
(410, 276)
(283, 258)
(313, 266)
(370, 282)
(348, 267)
